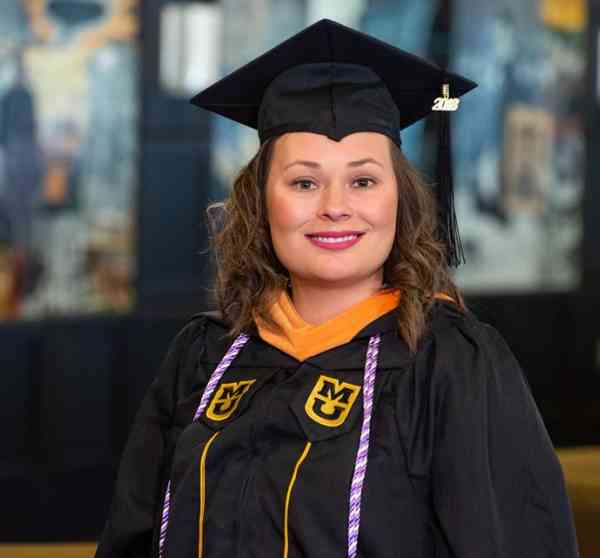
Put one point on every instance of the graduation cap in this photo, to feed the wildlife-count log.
(333, 80)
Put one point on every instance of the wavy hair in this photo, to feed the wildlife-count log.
(249, 275)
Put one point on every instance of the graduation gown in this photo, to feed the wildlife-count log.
(459, 464)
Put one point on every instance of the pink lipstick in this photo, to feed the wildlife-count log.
(335, 240)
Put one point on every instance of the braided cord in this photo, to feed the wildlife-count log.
(360, 466)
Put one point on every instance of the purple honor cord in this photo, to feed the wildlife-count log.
(360, 466)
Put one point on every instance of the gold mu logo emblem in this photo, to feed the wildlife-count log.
(227, 399)
(330, 401)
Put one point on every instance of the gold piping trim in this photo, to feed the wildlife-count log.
(288, 498)
(203, 494)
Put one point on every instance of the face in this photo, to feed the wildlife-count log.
(332, 207)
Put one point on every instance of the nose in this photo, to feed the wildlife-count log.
(335, 204)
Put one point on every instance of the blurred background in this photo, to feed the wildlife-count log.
(105, 172)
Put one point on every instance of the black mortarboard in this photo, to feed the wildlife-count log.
(333, 80)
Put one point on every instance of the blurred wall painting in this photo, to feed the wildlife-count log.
(68, 156)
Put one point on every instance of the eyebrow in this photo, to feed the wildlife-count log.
(315, 165)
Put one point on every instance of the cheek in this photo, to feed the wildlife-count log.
(285, 214)
(280, 212)
(383, 214)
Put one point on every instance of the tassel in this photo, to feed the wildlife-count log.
(445, 190)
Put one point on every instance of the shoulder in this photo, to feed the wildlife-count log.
(202, 335)
(458, 347)
(204, 339)
(448, 324)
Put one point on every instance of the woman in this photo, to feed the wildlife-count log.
(344, 402)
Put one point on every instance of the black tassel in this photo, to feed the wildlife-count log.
(445, 194)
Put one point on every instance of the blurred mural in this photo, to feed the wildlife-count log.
(520, 143)
(68, 150)
(519, 137)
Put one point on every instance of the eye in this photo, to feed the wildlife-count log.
(304, 184)
(363, 182)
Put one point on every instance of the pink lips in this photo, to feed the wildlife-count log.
(335, 240)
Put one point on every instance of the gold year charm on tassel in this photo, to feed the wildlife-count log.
(445, 103)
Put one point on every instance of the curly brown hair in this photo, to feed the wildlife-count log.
(250, 276)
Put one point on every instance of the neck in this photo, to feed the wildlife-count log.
(318, 303)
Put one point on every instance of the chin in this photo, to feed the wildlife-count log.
(334, 277)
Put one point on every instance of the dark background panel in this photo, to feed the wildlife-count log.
(176, 185)
(74, 394)
(173, 271)
(65, 430)
(16, 398)
(554, 338)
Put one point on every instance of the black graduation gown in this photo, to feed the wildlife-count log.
(460, 464)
